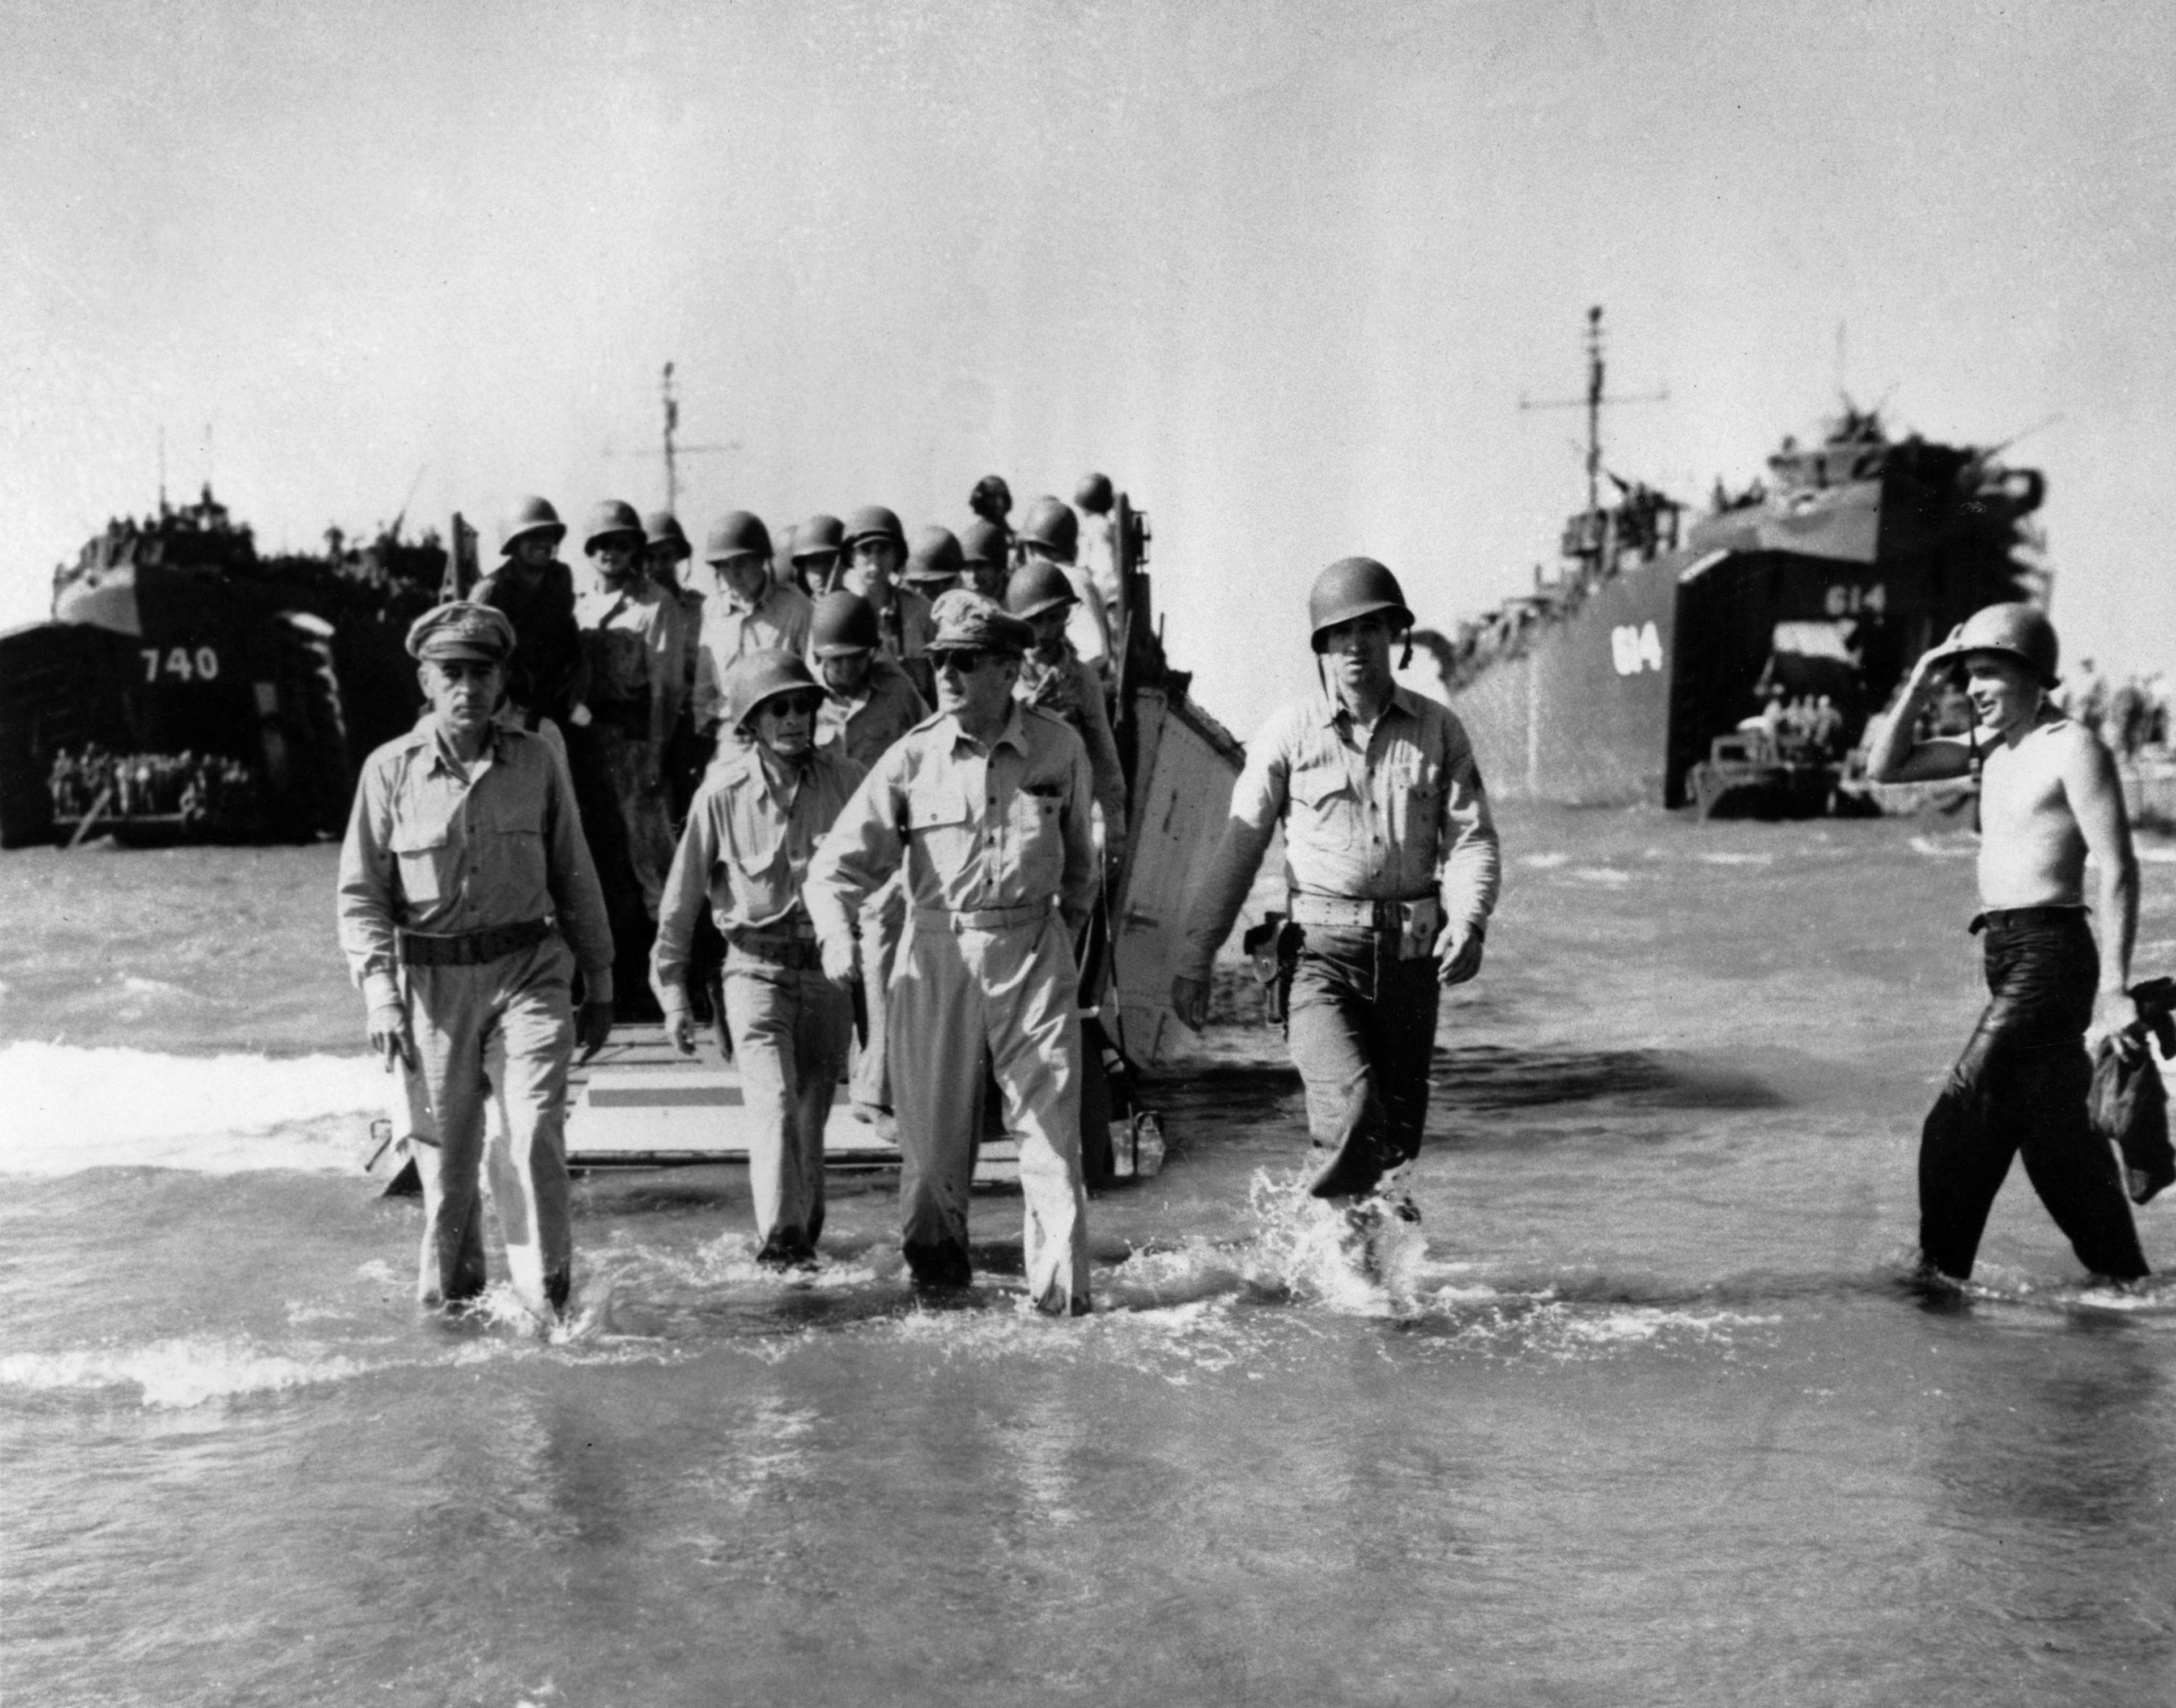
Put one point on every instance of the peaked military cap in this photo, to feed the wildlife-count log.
(462, 629)
(970, 620)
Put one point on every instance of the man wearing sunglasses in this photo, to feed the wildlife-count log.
(986, 807)
(754, 824)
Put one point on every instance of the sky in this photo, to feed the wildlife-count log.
(1284, 269)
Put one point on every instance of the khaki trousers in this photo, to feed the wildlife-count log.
(791, 1028)
(1012, 992)
(507, 1027)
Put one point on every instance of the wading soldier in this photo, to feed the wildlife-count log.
(627, 632)
(868, 706)
(745, 852)
(2048, 797)
(1392, 865)
(986, 805)
(467, 902)
(751, 611)
(548, 676)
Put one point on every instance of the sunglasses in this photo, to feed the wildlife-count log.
(965, 660)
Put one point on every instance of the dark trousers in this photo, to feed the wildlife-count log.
(2020, 1089)
(1361, 1024)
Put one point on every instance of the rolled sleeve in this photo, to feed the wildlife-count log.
(1258, 803)
(687, 893)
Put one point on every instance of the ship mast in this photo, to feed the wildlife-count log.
(1597, 396)
(674, 452)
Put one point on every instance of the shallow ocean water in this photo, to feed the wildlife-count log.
(1641, 1413)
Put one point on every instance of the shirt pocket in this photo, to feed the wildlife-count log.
(423, 849)
(940, 819)
(1038, 837)
(1412, 802)
(1324, 811)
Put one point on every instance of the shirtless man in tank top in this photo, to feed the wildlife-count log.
(2048, 797)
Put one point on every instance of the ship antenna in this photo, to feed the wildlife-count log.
(163, 511)
(1597, 396)
(673, 449)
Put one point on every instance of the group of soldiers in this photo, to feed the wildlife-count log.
(704, 748)
(845, 841)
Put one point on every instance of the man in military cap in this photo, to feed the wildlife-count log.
(634, 689)
(876, 545)
(818, 553)
(869, 704)
(467, 902)
(1392, 864)
(548, 676)
(987, 805)
(2049, 796)
(745, 853)
(751, 611)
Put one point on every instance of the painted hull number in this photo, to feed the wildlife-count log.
(180, 664)
(1634, 647)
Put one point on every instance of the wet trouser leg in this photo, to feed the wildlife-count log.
(507, 1025)
(1012, 993)
(1361, 1026)
(2019, 1086)
(791, 1027)
(883, 922)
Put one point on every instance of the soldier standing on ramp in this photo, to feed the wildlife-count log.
(750, 833)
(1392, 863)
(463, 883)
(987, 807)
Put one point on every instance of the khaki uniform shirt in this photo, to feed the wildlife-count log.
(1402, 818)
(631, 639)
(778, 621)
(746, 850)
(888, 706)
(1007, 826)
(433, 847)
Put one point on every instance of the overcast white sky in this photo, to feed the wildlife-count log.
(1283, 269)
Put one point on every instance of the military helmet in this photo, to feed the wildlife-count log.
(529, 515)
(609, 519)
(843, 622)
(2019, 632)
(1036, 588)
(662, 528)
(992, 498)
(874, 522)
(1094, 493)
(1352, 587)
(936, 556)
(1053, 525)
(819, 534)
(735, 532)
(984, 542)
(757, 676)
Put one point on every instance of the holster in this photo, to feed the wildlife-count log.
(1273, 948)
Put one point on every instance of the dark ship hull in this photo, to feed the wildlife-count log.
(186, 687)
(1612, 684)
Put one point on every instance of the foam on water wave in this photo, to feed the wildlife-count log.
(70, 1108)
(179, 1373)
